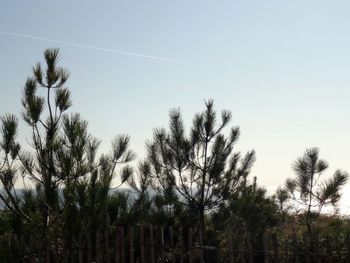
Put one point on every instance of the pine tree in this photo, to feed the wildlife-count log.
(201, 166)
(62, 164)
(308, 192)
(9, 150)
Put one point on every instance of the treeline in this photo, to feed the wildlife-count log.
(190, 179)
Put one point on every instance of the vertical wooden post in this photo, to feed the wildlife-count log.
(31, 250)
(142, 244)
(72, 250)
(106, 247)
(21, 247)
(348, 246)
(286, 250)
(250, 250)
(275, 247)
(89, 248)
(117, 245)
(230, 246)
(307, 247)
(47, 250)
(317, 255)
(329, 249)
(172, 260)
(266, 248)
(181, 245)
(80, 247)
(122, 245)
(151, 244)
(190, 249)
(295, 248)
(131, 245)
(162, 244)
(338, 248)
(65, 253)
(201, 253)
(98, 247)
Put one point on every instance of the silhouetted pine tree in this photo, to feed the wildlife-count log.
(69, 181)
(201, 166)
(310, 193)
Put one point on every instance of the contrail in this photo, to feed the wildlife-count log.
(116, 51)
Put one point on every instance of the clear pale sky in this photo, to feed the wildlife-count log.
(281, 67)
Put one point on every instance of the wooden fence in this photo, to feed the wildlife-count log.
(153, 244)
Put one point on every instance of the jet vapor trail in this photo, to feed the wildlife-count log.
(116, 51)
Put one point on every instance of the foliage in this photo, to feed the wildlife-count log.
(71, 186)
(201, 167)
(307, 191)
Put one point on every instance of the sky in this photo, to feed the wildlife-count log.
(281, 68)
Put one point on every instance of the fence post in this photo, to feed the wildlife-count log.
(338, 248)
(230, 245)
(131, 244)
(329, 257)
(47, 250)
(117, 245)
(275, 248)
(21, 247)
(106, 245)
(89, 248)
(317, 249)
(122, 245)
(65, 252)
(151, 243)
(306, 247)
(31, 250)
(162, 244)
(250, 250)
(286, 249)
(172, 245)
(347, 246)
(190, 237)
(295, 248)
(98, 247)
(181, 242)
(142, 244)
(80, 247)
(266, 248)
(201, 260)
